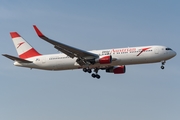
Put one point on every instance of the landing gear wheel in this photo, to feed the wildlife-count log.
(93, 75)
(162, 67)
(98, 76)
(85, 70)
(89, 70)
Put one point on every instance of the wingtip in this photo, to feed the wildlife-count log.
(39, 33)
(14, 35)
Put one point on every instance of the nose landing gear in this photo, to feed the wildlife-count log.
(162, 67)
(163, 63)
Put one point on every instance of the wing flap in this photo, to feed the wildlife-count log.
(16, 59)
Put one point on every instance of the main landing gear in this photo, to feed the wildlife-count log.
(95, 74)
(163, 63)
(87, 70)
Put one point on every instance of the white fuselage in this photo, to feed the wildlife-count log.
(121, 56)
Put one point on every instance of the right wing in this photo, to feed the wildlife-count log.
(83, 56)
(16, 59)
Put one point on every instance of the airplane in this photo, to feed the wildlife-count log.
(111, 60)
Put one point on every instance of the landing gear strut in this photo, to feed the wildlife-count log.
(95, 75)
(163, 63)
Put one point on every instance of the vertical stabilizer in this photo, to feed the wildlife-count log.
(24, 49)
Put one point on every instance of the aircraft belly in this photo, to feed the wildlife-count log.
(61, 64)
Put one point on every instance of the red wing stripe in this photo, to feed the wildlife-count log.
(14, 35)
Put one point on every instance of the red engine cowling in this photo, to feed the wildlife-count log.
(104, 59)
(117, 69)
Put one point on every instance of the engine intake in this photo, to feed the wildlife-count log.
(104, 59)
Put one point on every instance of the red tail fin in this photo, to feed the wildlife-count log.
(24, 49)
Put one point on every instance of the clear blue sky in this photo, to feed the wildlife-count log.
(145, 92)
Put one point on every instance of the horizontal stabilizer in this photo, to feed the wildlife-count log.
(16, 59)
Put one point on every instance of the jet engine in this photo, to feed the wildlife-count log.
(117, 69)
(104, 59)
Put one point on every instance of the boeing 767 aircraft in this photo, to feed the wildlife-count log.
(111, 60)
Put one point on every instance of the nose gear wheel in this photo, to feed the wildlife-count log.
(163, 63)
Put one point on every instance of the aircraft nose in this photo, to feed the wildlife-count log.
(174, 53)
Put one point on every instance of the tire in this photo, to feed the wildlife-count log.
(98, 76)
(93, 75)
(89, 70)
(84, 69)
(162, 67)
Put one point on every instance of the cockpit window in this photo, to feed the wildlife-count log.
(168, 49)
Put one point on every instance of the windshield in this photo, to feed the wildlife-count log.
(168, 49)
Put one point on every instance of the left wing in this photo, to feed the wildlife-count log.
(83, 56)
(68, 50)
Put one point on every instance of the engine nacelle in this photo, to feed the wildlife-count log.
(117, 69)
(104, 59)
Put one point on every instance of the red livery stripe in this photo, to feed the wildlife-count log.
(30, 53)
(14, 35)
(144, 49)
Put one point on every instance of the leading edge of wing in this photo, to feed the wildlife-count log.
(66, 49)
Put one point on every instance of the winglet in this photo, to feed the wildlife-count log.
(14, 35)
(39, 33)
